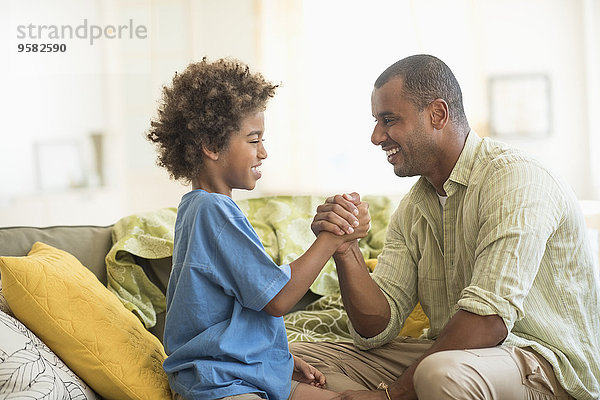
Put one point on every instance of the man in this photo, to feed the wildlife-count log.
(488, 241)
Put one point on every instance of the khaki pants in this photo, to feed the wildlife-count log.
(502, 373)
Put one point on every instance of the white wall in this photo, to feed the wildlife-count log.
(343, 49)
(551, 43)
(49, 97)
(326, 55)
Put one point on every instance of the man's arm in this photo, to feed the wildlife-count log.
(364, 302)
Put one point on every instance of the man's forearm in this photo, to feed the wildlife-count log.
(365, 304)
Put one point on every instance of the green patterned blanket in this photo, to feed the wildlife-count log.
(146, 235)
(283, 225)
(324, 320)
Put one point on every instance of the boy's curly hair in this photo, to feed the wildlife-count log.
(204, 105)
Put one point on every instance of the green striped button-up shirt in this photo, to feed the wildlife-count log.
(510, 240)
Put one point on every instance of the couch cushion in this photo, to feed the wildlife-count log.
(87, 326)
(89, 244)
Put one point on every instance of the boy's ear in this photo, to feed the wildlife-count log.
(213, 155)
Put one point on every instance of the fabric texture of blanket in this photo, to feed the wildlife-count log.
(146, 235)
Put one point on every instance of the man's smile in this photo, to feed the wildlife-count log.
(391, 151)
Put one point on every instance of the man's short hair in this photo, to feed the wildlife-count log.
(425, 79)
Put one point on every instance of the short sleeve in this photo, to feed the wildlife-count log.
(245, 270)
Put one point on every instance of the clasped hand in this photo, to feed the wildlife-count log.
(343, 215)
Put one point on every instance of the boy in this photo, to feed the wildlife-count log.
(224, 334)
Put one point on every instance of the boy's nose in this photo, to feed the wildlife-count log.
(262, 151)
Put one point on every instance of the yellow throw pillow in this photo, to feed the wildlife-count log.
(416, 322)
(65, 305)
(371, 263)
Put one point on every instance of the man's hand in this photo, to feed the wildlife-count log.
(343, 215)
(306, 373)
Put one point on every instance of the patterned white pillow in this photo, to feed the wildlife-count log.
(4, 304)
(29, 369)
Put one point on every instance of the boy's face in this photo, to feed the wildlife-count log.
(241, 161)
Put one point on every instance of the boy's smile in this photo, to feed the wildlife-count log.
(256, 171)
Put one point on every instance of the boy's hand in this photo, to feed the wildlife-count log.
(306, 373)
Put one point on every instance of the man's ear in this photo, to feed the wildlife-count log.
(439, 113)
(212, 155)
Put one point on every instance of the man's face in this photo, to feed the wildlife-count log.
(402, 131)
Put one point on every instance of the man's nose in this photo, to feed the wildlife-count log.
(379, 135)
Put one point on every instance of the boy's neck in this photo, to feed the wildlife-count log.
(203, 184)
(208, 190)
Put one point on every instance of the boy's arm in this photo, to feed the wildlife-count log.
(306, 268)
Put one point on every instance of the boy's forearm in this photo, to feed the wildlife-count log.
(305, 270)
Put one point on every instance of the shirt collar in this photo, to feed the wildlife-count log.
(464, 165)
(460, 173)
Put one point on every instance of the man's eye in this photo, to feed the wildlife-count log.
(386, 121)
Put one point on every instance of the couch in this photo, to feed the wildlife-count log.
(81, 312)
(83, 347)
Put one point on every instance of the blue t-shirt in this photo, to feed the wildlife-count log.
(218, 340)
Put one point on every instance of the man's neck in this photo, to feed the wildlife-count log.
(452, 150)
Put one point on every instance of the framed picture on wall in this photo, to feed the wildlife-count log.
(520, 106)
